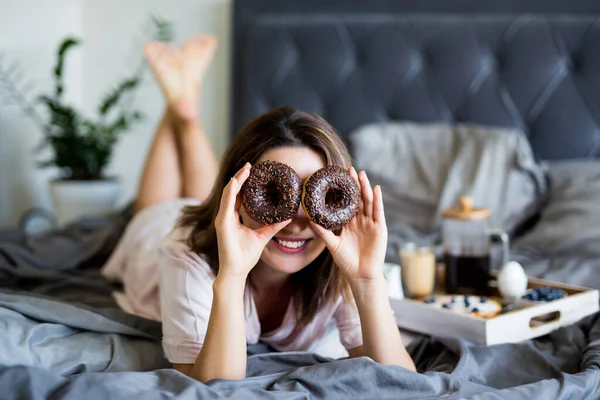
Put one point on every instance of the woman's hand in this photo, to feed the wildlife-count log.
(239, 246)
(360, 249)
(360, 252)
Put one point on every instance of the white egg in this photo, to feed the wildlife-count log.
(512, 281)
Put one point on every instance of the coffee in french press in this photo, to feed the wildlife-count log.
(467, 248)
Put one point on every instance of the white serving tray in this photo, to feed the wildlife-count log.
(514, 326)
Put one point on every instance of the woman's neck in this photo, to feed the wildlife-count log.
(264, 277)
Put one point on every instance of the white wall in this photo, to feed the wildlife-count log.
(110, 28)
(112, 39)
(30, 31)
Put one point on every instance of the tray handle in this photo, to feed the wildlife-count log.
(545, 319)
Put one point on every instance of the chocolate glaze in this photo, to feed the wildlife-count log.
(331, 197)
(272, 192)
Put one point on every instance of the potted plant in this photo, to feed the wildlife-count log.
(82, 146)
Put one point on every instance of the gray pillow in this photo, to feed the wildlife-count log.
(425, 168)
(569, 223)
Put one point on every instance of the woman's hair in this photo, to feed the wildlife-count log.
(319, 282)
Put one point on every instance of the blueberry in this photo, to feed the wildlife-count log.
(446, 306)
(453, 299)
(475, 309)
(467, 301)
(483, 299)
(429, 300)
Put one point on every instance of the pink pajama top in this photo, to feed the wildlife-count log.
(164, 280)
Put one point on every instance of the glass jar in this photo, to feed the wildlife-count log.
(467, 240)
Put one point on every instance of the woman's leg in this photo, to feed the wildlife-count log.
(160, 180)
(197, 160)
(181, 161)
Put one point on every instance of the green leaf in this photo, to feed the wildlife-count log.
(61, 54)
(45, 164)
(164, 29)
(64, 120)
(81, 146)
(113, 97)
(18, 95)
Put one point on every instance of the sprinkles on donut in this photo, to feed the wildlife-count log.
(330, 197)
(272, 192)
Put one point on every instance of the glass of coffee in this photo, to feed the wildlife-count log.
(418, 270)
(467, 248)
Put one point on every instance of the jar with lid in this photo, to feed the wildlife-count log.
(467, 240)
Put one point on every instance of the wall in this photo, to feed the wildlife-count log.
(111, 31)
(109, 54)
(30, 39)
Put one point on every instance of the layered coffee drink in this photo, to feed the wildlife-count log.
(418, 270)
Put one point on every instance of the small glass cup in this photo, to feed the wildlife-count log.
(418, 270)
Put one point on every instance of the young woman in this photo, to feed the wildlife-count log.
(193, 259)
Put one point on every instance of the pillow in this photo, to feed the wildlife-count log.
(569, 224)
(425, 168)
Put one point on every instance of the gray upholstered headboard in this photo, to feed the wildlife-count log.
(529, 64)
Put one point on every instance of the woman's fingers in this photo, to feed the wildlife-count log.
(367, 194)
(378, 213)
(330, 239)
(268, 231)
(354, 175)
(243, 174)
(231, 190)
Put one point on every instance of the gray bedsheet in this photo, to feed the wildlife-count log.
(63, 338)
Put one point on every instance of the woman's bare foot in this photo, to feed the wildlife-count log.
(180, 73)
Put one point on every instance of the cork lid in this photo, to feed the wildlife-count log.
(465, 210)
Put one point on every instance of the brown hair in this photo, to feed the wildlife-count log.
(318, 283)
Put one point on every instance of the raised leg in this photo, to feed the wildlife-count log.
(181, 161)
(161, 177)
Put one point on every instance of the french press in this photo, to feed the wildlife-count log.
(467, 241)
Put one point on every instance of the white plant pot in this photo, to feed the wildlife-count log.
(76, 199)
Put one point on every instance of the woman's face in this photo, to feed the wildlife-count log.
(296, 245)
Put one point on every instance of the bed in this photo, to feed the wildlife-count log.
(379, 71)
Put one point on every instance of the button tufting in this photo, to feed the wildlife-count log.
(429, 70)
(488, 63)
(498, 62)
(566, 64)
(426, 59)
(416, 61)
(574, 64)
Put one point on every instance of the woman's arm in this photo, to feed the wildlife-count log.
(223, 353)
(359, 251)
(381, 338)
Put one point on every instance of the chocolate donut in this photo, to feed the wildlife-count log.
(272, 192)
(330, 197)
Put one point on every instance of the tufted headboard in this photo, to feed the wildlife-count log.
(530, 64)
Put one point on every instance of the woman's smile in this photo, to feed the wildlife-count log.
(290, 245)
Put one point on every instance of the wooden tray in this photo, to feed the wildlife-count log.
(527, 322)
